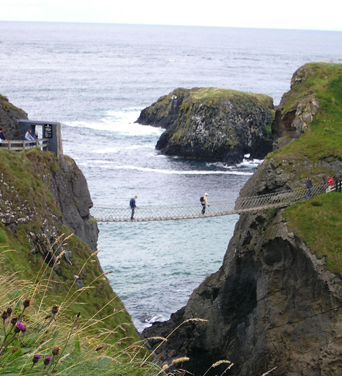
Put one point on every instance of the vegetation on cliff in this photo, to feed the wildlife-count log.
(317, 152)
(318, 222)
(213, 124)
(38, 339)
(38, 246)
(322, 139)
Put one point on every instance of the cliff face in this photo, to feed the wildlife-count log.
(273, 304)
(46, 224)
(64, 200)
(8, 118)
(70, 190)
(212, 124)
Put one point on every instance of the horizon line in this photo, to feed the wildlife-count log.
(171, 25)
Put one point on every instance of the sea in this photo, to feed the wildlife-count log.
(95, 79)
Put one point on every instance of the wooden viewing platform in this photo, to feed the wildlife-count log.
(18, 145)
(49, 132)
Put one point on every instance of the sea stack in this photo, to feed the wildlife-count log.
(212, 124)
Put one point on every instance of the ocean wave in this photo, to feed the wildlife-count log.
(146, 322)
(184, 172)
(114, 150)
(120, 122)
(246, 163)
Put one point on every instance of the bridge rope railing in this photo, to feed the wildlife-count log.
(218, 208)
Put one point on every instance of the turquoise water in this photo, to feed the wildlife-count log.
(157, 264)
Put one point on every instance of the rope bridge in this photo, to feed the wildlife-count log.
(216, 209)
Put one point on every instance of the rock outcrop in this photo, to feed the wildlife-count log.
(212, 124)
(273, 305)
(291, 122)
(70, 189)
(48, 236)
(65, 180)
(8, 118)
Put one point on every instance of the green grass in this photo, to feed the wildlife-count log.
(211, 93)
(25, 193)
(324, 139)
(83, 348)
(318, 222)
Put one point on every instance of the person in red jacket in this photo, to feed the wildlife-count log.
(330, 181)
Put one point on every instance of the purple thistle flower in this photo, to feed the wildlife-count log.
(36, 357)
(20, 326)
(47, 360)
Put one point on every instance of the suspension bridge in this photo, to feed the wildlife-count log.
(216, 209)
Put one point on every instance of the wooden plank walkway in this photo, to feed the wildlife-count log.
(216, 209)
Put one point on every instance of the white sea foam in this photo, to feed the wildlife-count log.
(253, 163)
(121, 122)
(174, 172)
(246, 163)
(115, 150)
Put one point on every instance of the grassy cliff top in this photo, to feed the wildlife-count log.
(317, 221)
(324, 138)
(211, 93)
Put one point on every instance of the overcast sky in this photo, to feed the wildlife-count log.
(286, 14)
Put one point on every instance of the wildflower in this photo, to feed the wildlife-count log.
(4, 315)
(9, 311)
(14, 320)
(20, 327)
(55, 309)
(47, 360)
(36, 357)
(27, 302)
(98, 348)
(55, 351)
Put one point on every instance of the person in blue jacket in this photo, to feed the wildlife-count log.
(2, 136)
(133, 205)
(309, 186)
(28, 136)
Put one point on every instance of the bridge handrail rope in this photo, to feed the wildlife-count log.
(217, 208)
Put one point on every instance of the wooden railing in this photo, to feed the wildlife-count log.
(19, 145)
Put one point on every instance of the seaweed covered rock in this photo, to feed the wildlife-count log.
(212, 124)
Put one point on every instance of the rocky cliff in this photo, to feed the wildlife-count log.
(212, 124)
(8, 118)
(275, 303)
(46, 224)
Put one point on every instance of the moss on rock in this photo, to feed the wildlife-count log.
(212, 124)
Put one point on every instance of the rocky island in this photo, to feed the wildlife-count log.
(212, 124)
(275, 305)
